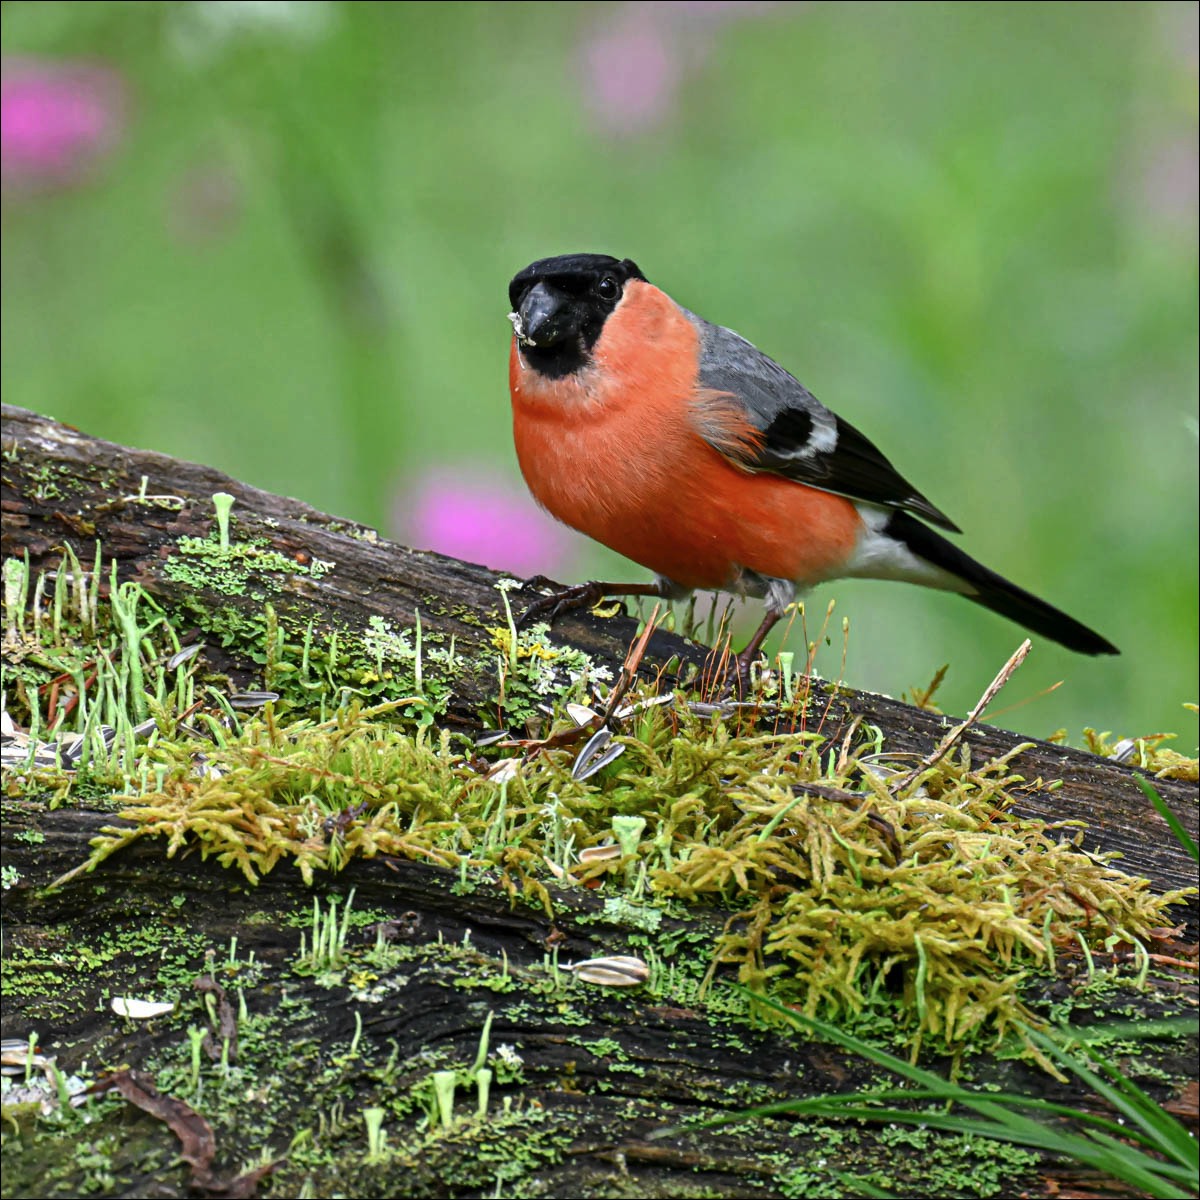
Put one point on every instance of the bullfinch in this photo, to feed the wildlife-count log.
(679, 445)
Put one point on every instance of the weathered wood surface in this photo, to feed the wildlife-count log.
(602, 1069)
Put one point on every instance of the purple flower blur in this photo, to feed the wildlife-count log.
(482, 519)
(636, 55)
(631, 71)
(57, 120)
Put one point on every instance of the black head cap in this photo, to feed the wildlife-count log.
(559, 307)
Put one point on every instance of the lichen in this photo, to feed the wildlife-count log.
(232, 569)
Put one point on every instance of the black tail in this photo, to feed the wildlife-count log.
(994, 591)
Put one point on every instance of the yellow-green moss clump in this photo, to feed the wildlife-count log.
(836, 889)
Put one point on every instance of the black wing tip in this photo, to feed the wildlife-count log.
(995, 592)
(1088, 641)
(922, 507)
(1038, 617)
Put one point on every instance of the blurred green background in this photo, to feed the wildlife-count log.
(276, 238)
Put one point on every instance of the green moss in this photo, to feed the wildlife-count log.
(1150, 753)
(930, 906)
(232, 570)
(50, 481)
(902, 1161)
(605, 1048)
(104, 958)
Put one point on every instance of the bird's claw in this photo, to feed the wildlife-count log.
(727, 679)
(562, 600)
(538, 582)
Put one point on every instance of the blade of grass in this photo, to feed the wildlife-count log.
(884, 1096)
(1182, 836)
(1096, 1147)
(1122, 1094)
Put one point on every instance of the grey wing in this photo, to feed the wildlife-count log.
(794, 434)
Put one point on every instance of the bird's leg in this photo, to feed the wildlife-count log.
(583, 595)
(745, 659)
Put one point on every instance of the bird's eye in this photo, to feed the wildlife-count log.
(608, 288)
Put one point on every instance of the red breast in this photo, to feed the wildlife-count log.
(612, 451)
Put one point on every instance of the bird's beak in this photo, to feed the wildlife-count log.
(540, 319)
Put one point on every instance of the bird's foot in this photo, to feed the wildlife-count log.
(726, 678)
(731, 673)
(741, 682)
(561, 600)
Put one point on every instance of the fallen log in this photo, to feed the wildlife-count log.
(61, 486)
(437, 975)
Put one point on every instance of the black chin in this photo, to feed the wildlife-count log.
(563, 358)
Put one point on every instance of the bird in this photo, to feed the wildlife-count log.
(680, 445)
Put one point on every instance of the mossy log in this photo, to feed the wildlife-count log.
(593, 1071)
(61, 486)
(601, 1069)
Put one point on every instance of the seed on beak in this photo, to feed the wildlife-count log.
(519, 329)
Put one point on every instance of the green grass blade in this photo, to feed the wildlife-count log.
(1160, 1129)
(856, 1186)
(916, 1095)
(1182, 836)
(1104, 1145)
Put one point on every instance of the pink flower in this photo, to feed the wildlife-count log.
(57, 120)
(482, 519)
(636, 56)
(1167, 189)
(631, 72)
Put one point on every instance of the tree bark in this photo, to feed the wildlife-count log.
(600, 1070)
